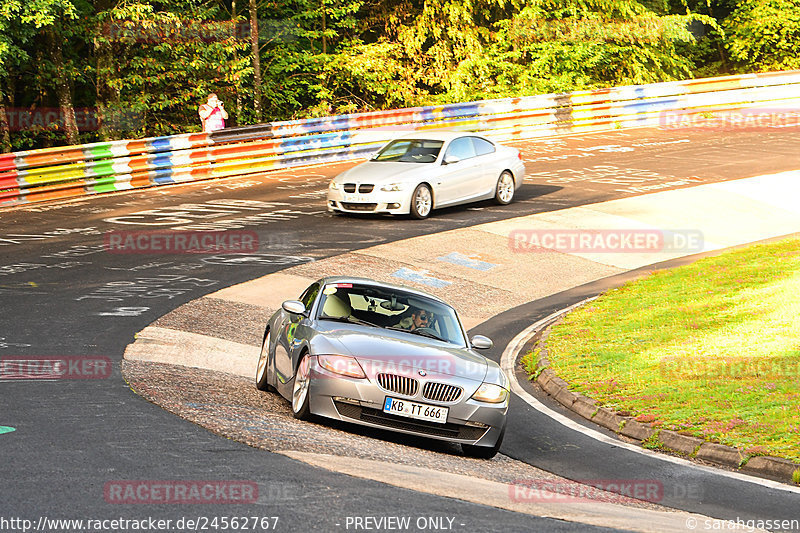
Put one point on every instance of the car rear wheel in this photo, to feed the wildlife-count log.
(421, 202)
(261, 370)
(302, 380)
(504, 192)
(483, 452)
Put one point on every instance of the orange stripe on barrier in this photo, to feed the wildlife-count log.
(55, 157)
(53, 192)
(141, 179)
(137, 147)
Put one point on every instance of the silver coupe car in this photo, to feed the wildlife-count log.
(385, 356)
(422, 171)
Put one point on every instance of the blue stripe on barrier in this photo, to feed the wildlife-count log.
(160, 144)
(162, 176)
(648, 106)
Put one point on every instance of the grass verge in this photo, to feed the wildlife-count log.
(710, 349)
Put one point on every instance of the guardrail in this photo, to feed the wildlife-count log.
(72, 171)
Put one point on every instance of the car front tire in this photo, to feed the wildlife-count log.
(263, 361)
(504, 192)
(300, 389)
(421, 202)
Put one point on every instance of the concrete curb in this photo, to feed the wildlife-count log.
(165, 345)
(774, 468)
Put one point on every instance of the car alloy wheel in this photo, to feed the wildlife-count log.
(302, 380)
(505, 188)
(261, 370)
(421, 201)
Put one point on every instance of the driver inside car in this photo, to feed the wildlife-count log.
(420, 318)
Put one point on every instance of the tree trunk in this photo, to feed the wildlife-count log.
(107, 98)
(5, 132)
(324, 29)
(256, 52)
(62, 88)
(237, 34)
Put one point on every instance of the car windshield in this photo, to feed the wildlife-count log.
(410, 151)
(390, 309)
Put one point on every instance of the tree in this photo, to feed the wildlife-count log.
(764, 35)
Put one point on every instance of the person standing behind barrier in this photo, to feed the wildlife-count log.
(213, 114)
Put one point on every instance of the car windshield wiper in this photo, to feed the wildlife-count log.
(427, 334)
(419, 332)
(349, 320)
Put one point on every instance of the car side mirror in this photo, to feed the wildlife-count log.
(450, 159)
(479, 342)
(295, 307)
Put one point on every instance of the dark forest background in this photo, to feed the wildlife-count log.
(74, 71)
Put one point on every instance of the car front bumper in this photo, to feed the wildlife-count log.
(360, 401)
(388, 202)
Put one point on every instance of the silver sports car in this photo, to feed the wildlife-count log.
(385, 356)
(422, 171)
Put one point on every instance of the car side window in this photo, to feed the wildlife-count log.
(310, 295)
(482, 146)
(462, 148)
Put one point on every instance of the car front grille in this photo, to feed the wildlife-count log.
(431, 429)
(359, 207)
(441, 392)
(366, 188)
(349, 187)
(398, 384)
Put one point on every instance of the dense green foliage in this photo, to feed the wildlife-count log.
(130, 68)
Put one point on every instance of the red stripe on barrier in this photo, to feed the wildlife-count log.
(8, 180)
(8, 162)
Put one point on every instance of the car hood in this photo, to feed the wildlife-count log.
(382, 172)
(382, 350)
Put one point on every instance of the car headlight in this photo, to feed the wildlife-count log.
(341, 364)
(392, 187)
(490, 393)
(333, 186)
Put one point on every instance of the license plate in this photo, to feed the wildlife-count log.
(356, 198)
(420, 411)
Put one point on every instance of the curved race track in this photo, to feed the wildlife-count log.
(64, 295)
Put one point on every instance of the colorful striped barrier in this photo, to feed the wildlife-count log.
(73, 171)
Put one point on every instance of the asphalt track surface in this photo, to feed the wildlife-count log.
(64, 294)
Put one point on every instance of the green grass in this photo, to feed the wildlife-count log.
(710, 349)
